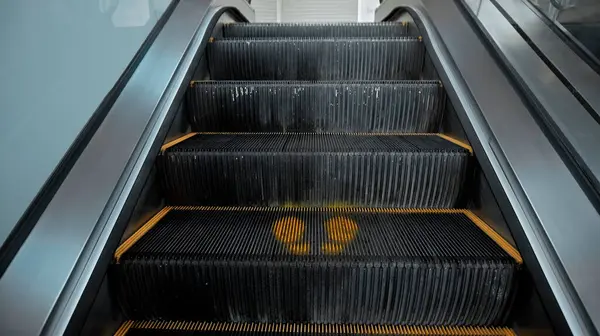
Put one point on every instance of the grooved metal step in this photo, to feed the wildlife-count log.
(317, 265)
(315, 59)
(329, 212)
(324, 106)
(177, 328)
(382, 170)
(350, 29)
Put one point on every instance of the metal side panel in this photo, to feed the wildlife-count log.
(554, 223)
(569, 112)
(57, 83)
(559, 54)
(47, 286)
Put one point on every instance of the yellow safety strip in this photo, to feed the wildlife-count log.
(176, 141)
(139, 233)
(193, 82)
(456, 142)
(318, 328)
(506, 246)
(124, 328)
(443, 136)
(314, 209)
(324, 133)
(503, 243)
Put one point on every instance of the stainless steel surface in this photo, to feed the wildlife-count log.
(59, 60)
(565, 114)
(48, 277)
(578, 22)
(581, 264)
(553, 218)
(570, 10)
(579, 74)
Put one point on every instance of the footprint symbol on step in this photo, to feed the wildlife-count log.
(290, 231)
(340, 231)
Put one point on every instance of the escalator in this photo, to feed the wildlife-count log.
(416, 176)
(320, 189)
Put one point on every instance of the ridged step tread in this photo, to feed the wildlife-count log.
(276, 169)
(350, 29)
(326, 106)
(316, 265)
(178, 328)
(315, 59)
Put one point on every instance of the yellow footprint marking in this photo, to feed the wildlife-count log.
(299, 248)
(332, 248)
(340, 231)
(289, 230)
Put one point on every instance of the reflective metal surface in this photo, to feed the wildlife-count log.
(578, 20)
(68, 250)
(59, 60)
(579, 74)
(554, 223)
(577, 127)
(582, 133)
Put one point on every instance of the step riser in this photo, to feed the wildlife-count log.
(312, 30)
(316, 107)
(278, 292)
(314, 179)
(315, 59)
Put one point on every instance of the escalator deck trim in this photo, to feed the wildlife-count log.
(490, 232)
(310, 328)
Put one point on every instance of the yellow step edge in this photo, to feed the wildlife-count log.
(311, 209)
(443, 136)
(456, 142)
(503, 243)
(176, 141)
(139, 233)
(124, 328)
(314, 328)
(506, 246)
(328, 133)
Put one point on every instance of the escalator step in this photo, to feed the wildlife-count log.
(353, 29)
(178, 328)
(316, 265)
(297, 106)
(315, 59)
(276, 169)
